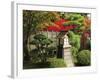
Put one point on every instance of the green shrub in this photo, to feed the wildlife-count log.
(51, 63)
(74, 39)
(84, 58)
(54, 63)
(42, 48)
(74, 52)
(51, 51)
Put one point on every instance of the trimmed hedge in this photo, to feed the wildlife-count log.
(84, 58)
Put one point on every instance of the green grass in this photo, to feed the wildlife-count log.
(51, 63)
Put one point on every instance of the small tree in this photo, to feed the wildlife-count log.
(42, 47)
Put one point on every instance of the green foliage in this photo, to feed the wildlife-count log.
(30, 65)
(34, 21)
(76, 19)
(51, 63)
(84, 58)
(51, 51)
(74, 51)
(74, 16)
(37, 20)
(74, 39)
(35, 55)
(75, 23)
(41, 52)
(41, 40)
(54, 62)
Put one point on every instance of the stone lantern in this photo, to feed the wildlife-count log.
(64, 49)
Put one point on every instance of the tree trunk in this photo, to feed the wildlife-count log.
(83, 41)
(25, 51)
